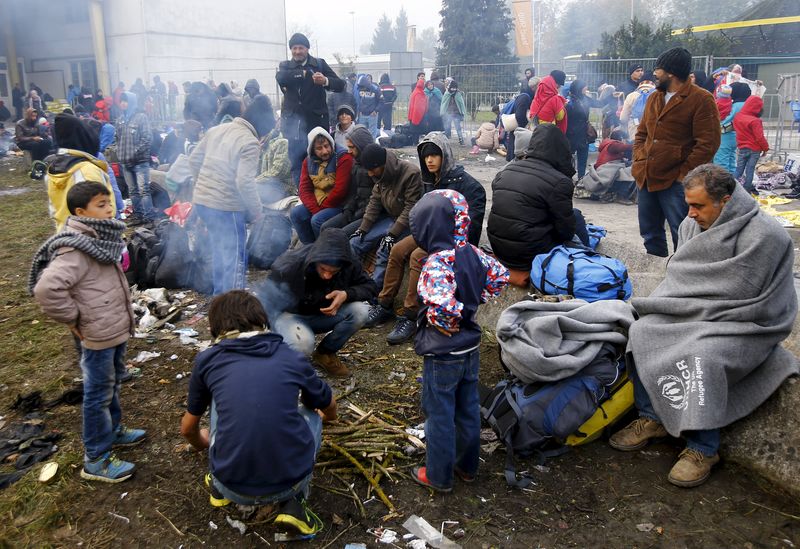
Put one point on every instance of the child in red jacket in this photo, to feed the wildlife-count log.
(749, 139)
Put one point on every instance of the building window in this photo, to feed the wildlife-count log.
(3, 85)
(84, 74)
(77, 11)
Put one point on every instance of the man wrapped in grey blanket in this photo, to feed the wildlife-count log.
(705, 350)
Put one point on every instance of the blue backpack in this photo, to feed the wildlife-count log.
(545, 419)
(596, 234)
(508, 108)
(638, 108)
(572, 269)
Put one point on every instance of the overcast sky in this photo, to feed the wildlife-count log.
(331, 24)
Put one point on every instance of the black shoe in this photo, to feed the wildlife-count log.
(135, 221)
(378, 316)
(403, 331)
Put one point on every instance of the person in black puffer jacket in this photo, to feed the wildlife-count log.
(532, 203)
(357, 137)
(522, 104)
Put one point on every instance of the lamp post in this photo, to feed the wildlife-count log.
(353, 16)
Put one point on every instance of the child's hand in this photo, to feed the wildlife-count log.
(76, 332)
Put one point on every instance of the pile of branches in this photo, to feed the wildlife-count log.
(370, 444)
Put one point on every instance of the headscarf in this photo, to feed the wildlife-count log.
(73, 133)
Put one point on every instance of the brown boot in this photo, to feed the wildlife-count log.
(331, 363)
(637, 434)
(692, 468)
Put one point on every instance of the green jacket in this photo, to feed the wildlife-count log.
(459, 99)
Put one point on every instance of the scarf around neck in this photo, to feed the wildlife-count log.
(105, 248)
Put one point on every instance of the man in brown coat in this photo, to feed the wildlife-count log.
(679, 131)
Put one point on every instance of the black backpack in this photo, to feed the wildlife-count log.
(169, 264)
(268, 239)
(140, 247)
(545, 419)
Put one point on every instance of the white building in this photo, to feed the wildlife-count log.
(98, 43)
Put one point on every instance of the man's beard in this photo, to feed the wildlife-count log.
(663, 85)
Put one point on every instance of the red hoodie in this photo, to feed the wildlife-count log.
(417, 104)
(748, 126)
(548, 105)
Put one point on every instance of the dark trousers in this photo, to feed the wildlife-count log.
(654, 209)
(38, 149)
(385, 117)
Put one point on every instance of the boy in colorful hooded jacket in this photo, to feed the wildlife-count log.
(456, 279)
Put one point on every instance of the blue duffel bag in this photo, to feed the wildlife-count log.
(572, 269)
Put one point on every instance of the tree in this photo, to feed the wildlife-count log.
(427, 41)
(475, 31)
(683, 13)
(400, 31)
(383, 37)
(639, 40)
(347, 64)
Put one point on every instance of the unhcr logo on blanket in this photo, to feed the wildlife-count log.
(677, 388)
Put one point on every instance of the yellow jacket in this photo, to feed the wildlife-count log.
(68, 167)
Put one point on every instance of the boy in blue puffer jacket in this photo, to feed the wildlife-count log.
(368, 96)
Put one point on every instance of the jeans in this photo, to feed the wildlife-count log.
(367, 243)
(746, 161)
(229, 251)
(385, 116)
(340, 221)
(581, 155)
(452, 415)
(401, 253)
(38, 149)
(295, 130)
(300, 488)
(137, 177)
(298, 330)
(706, 442)
(308, 225)
(102, 376)
(370, 121)
(654, 208)
(456, 119)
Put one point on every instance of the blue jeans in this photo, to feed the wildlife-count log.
(229, 250)
(298, 330)
(102, 376)
(706, 442)
(307, 224)
(362, 246)
(452, 415)
(370, 121)
(654, 208)
(137, 178)
(449, 120)
(746, 161)
(300, 488)
(581, 155)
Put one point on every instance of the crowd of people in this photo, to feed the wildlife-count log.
(363, 217)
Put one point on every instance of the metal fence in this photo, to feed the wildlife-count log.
(788, 130)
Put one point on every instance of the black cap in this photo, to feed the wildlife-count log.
(299, 39)
(373, 156)
(634, 67)
(677, 61)
(559, 76)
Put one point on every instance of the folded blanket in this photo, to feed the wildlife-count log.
(550, 341)
(707, 342)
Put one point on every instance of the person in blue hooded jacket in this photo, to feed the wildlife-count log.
(107, 135)
(261, 442)
(456, 278)
(368, 97)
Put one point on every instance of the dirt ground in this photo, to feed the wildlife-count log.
(590, 497)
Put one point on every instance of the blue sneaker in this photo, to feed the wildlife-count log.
(107, 468)
(128, 437)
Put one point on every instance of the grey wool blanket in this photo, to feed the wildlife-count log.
(550, 341)
(707, 343)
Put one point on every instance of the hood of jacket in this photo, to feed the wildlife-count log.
(61, 162)
(349, 108)
(522, 138)
(752, 106)
(313, 161)
(73, 133)
(360, 136)
(547, 89)
(331, 248)
(550, 145)
(440, 221)
(259, 345)
(448, 162)
(107, 135)
(252, 88)
(364, 82)
(133, 105)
